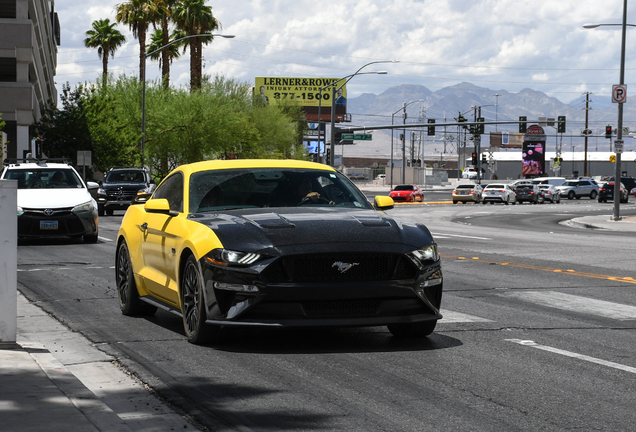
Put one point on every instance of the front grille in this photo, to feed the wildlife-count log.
(341, 308)
(121, 195)
(68, 224)
(343, 267)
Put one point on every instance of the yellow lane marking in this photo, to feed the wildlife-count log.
(548, 269)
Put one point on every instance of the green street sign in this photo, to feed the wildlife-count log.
(363, 137)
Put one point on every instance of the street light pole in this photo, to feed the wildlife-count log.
(333, 101)
(143, 86)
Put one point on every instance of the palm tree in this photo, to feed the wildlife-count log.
(138, 15)
(167, 54)
(157, 40)
(106, 38)
(194, 17)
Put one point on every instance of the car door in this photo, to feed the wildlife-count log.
(161, 237)
(585, 187)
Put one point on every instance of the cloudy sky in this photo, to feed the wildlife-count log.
(497, 44)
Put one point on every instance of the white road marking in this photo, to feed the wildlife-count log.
(105, 239)
(462, 236)
(458, 317)
(578, 356)
(576, 303)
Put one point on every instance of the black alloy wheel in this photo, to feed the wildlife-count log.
(193, 306)
(593, 194)
(129, 301)
(571, 195)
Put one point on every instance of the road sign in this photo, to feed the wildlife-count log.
(612, 158)
(363, 137)
(618, 146)
(619, 93)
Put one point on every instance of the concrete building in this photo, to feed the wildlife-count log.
(29, 37)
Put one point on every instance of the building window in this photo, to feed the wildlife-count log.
(8, 69)
(8, 9)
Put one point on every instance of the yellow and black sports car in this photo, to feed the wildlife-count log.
(274, 243)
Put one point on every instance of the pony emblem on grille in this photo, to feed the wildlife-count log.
(342, 266)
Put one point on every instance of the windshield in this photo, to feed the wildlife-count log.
(271, 187)
(403, 187)
(125, 176)
(495, 186)
(465, 187)
(45, 178)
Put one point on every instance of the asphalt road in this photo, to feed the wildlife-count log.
(538, 334)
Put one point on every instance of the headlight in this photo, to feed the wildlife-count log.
(425, 255)
(229, 257)
(101, 191)
(87, 206)
(20, 211)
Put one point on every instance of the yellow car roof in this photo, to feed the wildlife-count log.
(253, 163)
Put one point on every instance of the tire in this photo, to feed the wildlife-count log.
(492, 202)
(455, 202)
(507, 201)
(593, 194)
(91, 238)
(578, 197)
(571, 195)
(600, 200)
(540, 200)
(463, 202)
(412, 330)
(483, 202)
(129, 301)
(193, 306)
(100, 210)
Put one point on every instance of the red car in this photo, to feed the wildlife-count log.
(407, 193)
(633, 192)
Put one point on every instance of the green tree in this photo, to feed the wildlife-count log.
(167, 54)
(138, 15)
(106, 38)
(194, 17)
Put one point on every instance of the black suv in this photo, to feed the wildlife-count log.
(119, 188)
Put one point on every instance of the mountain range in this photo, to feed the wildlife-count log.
(386, 108)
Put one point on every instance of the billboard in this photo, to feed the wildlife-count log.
(305, 92)
(533, 152)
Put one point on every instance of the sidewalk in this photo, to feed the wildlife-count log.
(626, 224)
(53, 379)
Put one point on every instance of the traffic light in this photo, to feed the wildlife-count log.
(431, 129)
(483, 158)
(608, 131)
(328, 156)
(474, 159)
(522, 124)
(561, 124)
(480, 126)
(37, 151)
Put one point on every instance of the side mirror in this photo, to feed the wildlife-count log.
(159, 205)
(384, 202)
(92, 185)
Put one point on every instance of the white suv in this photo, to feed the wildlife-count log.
(53, 200)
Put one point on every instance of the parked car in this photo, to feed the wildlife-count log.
(528, 192)
(285, 243)
(407, 193)
(633, 192)
(464, 193)
(499, 192)
(53, 200)
(606, 192)
(555, 181)
(550, 193)
(120, 186)
(578, 188)
(469, 173)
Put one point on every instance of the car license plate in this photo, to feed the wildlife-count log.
(48, 225)
(493, 193)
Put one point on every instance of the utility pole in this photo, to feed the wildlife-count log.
(587, 110)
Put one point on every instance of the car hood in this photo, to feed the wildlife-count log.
(324, 229)
(52, 198)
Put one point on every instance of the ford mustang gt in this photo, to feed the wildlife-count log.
(274, 243)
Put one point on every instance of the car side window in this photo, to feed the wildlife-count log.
(172, 190)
